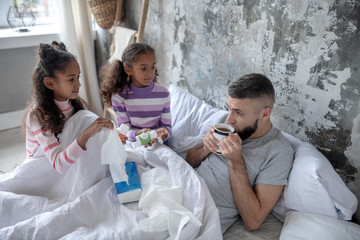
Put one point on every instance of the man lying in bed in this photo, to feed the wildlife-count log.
(249, 177)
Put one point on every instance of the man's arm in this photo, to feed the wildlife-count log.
(253, 205)
(197, 154)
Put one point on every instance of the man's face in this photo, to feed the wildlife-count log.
(243, 116)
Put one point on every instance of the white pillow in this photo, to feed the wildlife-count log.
(309, 226)
(314, 186)
(191, 118)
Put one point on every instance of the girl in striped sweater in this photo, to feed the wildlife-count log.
(55, 89)
(130, 87)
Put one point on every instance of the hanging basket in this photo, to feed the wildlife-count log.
(104, 12)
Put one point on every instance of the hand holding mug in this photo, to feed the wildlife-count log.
(222, 131)
(210, 142)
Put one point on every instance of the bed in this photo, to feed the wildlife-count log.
(38, 203)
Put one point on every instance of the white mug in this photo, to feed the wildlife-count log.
(222, 131)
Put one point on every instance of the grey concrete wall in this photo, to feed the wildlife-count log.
(308, 48)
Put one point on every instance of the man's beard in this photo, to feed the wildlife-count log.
(248, 131)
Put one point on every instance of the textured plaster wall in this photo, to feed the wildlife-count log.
(309, 49)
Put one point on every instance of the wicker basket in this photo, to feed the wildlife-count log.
(104, 12)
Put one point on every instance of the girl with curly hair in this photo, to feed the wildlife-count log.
(54, 99)
(130, 86)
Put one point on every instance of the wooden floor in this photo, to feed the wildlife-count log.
(12, 149)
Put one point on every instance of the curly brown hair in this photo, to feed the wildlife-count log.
(113, 76)
(54, 58)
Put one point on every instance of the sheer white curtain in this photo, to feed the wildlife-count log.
(76, 33)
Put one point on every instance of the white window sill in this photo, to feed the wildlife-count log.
(38, 34)
(11, 119)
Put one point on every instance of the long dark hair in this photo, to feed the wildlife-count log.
(113, 76)
(54, 58)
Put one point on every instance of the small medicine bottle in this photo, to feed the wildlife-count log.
(145, 138)
(122, 130)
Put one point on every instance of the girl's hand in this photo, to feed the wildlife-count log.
(138, 132)
(150, 143)
(94, 128)
(163, 133)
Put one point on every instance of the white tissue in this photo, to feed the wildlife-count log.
(113, 153)
(163, 203)
(117, 173)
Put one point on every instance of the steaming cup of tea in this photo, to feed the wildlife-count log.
(222, 131)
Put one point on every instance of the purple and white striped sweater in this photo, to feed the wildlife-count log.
(147, 107)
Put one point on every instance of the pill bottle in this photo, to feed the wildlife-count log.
(145, 138)
(122, 130)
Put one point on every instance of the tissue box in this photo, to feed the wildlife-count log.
(129, 192)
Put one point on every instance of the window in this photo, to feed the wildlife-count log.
(42, 10)
(44, 30)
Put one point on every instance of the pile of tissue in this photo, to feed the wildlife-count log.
(157, 197)
(163, 203)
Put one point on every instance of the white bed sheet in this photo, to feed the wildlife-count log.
(39, 203)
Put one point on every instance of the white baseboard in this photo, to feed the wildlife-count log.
(11, 119)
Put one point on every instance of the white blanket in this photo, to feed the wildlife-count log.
(39, 203)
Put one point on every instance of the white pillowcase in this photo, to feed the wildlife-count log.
(191, 118)
(310, 226)
(314, 186)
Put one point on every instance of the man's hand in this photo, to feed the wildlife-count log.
(210, 141)
(197, 154)
(231, 147)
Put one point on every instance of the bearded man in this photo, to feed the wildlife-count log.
(249, 177)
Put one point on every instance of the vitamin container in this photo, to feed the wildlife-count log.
(145, 138)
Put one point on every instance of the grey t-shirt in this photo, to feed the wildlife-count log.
(268, 160)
